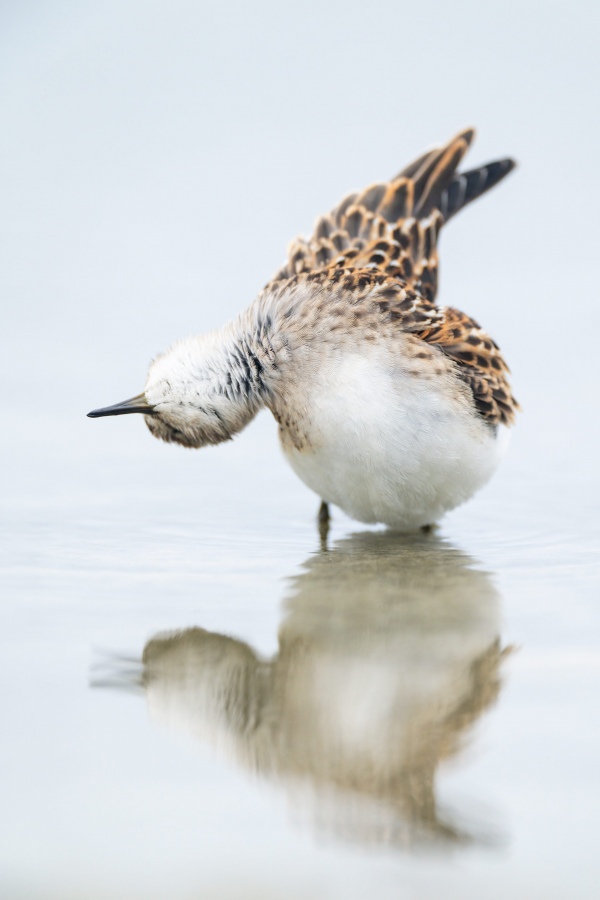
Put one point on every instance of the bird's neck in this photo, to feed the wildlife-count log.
(221, 378)
(243, 360)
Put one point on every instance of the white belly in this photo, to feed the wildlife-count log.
(386, 446)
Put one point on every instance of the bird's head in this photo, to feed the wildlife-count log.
(191, 396)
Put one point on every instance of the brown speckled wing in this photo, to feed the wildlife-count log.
(478, 360)
(394, 226)
(479, 363)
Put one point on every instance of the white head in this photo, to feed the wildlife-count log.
(201, 391)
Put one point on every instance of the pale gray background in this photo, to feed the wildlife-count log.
(155, 159)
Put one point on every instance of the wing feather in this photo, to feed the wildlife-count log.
(394, 226)
(379, 246)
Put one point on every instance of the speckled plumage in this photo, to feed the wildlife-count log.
(390, 406)
(386, 236)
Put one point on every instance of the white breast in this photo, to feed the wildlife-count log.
(387, 445)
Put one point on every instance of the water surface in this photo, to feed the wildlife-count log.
(201, 698)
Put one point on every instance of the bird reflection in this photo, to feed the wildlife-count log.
(389, 652)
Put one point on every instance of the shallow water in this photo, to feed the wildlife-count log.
(200, 698)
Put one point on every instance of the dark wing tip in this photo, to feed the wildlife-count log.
(503, 166)
(468, 186)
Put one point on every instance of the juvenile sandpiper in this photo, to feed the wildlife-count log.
(389, 406)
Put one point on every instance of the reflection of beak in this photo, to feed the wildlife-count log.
(137, 404)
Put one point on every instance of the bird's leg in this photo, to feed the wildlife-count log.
(323, 519)
(428, 529)
(324, 513)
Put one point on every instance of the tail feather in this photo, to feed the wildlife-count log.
(468, 186)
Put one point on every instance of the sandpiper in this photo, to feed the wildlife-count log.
(389, 406)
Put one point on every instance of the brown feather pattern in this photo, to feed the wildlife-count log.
(380, 246)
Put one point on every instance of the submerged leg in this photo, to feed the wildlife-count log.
(323, 519)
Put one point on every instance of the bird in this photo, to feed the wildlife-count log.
(391, 407)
